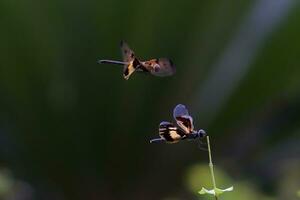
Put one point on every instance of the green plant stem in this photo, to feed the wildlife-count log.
(211, 166)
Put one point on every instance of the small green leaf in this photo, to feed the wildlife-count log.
(216, 191)
(220, 191)
(298, 193)
(205, 191)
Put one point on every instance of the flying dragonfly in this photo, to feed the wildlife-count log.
(169, 133)
(157, 67)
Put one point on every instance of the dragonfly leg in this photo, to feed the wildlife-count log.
(201, 147)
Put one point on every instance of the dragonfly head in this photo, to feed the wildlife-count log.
(201, 133)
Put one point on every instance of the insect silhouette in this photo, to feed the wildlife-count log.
(171, 134)
(157, 67)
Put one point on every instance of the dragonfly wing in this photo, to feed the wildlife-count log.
(129, 58)
(170, 133)
(127, 53)
(130, 68)
(183, 119)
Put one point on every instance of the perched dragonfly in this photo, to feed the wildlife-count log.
(156, 67)
(171, 134)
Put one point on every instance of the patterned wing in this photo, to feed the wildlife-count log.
(127, 53)
(183, 119)
(170, 133)
(160, 67)
(131, 61)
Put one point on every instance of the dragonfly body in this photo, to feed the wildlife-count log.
(157, 67)
(171, 134)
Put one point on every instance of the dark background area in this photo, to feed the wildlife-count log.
(73, 129)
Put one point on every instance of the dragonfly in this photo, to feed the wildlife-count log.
(169, 133)
(157, 67)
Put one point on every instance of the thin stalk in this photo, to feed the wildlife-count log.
(211, 166)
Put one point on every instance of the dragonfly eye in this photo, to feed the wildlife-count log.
(156, 68)
(201, 133)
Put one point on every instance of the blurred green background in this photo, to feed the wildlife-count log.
(72, 129)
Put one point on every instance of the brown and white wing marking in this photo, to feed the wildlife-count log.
(183, 119)
(129, 58)
(170, 133)
(160, 67)
(127, 53)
